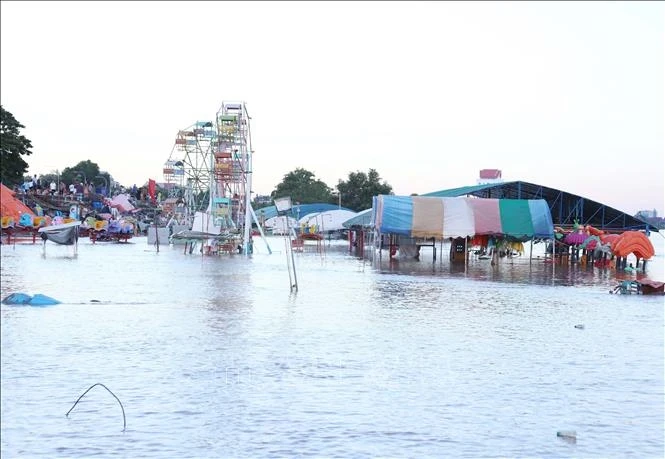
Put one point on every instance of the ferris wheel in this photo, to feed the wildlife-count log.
(231, 186)
(190, 164)
(211, 165)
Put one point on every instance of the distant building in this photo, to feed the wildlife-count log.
(651, 217)
(489, 176)
(647, 214)
(263, 199)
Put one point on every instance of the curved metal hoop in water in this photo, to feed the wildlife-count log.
(124, 421)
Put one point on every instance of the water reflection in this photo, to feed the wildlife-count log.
(215, 357)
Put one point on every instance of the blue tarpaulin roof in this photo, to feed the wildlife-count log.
(299, 210)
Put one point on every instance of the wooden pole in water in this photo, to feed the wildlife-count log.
(156, 237)
(530, 251)
(466, 253)
(553, 252)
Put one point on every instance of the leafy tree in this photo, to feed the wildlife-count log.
(13, 146)
(48, 178)
(357, 192)
(302, 187)
(84, 171)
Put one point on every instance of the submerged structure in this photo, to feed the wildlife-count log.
(211, 163)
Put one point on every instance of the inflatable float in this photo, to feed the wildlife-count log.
(28, 300)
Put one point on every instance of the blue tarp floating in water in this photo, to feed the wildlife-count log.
(17, 298)
(25, 299)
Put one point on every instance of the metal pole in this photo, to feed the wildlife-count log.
(248, 183)
(293, 261)
(248, 202)
(258, 225)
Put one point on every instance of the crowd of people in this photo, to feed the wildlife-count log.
(76, 190)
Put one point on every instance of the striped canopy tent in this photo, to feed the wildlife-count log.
(427, 217)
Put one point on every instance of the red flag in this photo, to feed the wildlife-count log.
(152, 187)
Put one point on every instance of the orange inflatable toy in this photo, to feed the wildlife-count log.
(634, 242)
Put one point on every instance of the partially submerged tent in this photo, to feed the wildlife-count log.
(362, 218)
(427, 217)
(280, 225)
(330, 220)
(11, 206)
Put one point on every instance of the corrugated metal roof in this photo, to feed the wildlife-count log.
(461, 191)
(565, 207)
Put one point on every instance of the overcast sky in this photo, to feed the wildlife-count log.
(564, 94)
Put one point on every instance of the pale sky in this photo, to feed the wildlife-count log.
(568, 95)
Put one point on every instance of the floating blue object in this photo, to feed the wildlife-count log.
(42, 300)
(17, 298)
(25, 299)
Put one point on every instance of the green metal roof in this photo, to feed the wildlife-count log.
(565, 207)
(461, 191)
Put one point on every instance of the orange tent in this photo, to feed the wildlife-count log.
(10, 206)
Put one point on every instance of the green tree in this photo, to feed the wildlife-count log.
(48, 178)
(13, 146)
(302, 186)
(84, 171)
(357, 192)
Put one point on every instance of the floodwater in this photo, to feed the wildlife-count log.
(214, 356)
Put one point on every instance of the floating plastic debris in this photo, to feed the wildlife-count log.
(568, 435)
(25, 299)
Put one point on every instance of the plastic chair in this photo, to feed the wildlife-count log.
(25, 220)
(38, 222)
(7, 222)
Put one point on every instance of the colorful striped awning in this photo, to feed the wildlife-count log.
(421, 216)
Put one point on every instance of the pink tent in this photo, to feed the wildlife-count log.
(121, 202)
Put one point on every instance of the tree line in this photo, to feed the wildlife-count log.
(355, 193)
(301, 185)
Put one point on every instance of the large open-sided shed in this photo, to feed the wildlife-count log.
(565, 207)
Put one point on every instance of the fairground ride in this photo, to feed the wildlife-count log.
(189, 165)
(212, 163)
(230, 191)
